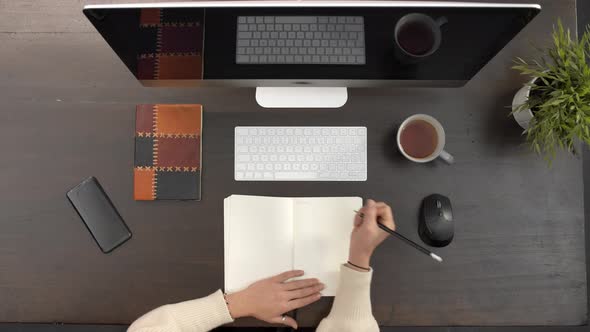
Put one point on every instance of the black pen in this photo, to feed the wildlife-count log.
(405, 239)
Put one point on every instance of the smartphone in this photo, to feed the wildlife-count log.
(99, 214)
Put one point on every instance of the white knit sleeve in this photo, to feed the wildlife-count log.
(351, 310)
(198, 315)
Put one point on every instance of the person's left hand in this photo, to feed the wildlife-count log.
(270, 298)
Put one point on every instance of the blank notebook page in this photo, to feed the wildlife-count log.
(258, 239)
(321, 241)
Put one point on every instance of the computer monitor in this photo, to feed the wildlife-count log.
(306, 53)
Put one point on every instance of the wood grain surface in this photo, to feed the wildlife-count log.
(67, 113)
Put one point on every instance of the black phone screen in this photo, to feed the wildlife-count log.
(99, 214)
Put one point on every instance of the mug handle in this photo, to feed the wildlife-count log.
(447, 157)
(441, 21)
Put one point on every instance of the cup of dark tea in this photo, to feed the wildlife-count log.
(421, 138)
(417, 36)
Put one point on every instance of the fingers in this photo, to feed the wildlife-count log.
(304, 283)
(287, 321)
(357, 219)
(287, 275)
(304, 292)
(369, 211)
(302, 302)
(384, 212)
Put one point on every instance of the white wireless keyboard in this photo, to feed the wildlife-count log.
(300, 154)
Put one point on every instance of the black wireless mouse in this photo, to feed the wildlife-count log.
(436, 221)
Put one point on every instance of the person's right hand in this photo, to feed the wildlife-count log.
(366, 234)
(269, 299)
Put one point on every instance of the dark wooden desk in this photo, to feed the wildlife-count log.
(517, 258)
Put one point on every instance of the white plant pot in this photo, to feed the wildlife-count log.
(523, 117)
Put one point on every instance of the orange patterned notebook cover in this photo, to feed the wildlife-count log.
(168, 152)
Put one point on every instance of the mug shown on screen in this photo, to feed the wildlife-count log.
(421, 138)
(417, 36)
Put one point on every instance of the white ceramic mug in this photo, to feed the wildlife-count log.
(440, 132)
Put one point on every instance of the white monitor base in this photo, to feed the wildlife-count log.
(301, 97)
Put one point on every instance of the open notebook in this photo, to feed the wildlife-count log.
(265, 236)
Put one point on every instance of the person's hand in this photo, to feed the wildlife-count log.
(270, 298)
(366, 234)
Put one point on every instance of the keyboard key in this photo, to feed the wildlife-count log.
(296, 19)
(244, 35)
(243, 158)
(354, 27)
(242, 58)
(358, 51)
(296, 175)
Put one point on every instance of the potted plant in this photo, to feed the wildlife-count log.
(553, 108)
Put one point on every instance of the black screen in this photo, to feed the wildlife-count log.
(470, 38)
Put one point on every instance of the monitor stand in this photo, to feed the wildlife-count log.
(301, 97)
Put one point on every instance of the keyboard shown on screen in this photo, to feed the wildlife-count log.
(325, 40)
(300, 154)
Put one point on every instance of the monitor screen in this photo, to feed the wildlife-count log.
(346, 44)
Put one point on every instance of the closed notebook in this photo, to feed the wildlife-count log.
(264, 236)
(168, 160)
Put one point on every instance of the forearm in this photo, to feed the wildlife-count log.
(198, 315)
(351, 310)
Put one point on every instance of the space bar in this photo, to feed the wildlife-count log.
(296, 20)
(295, 175)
